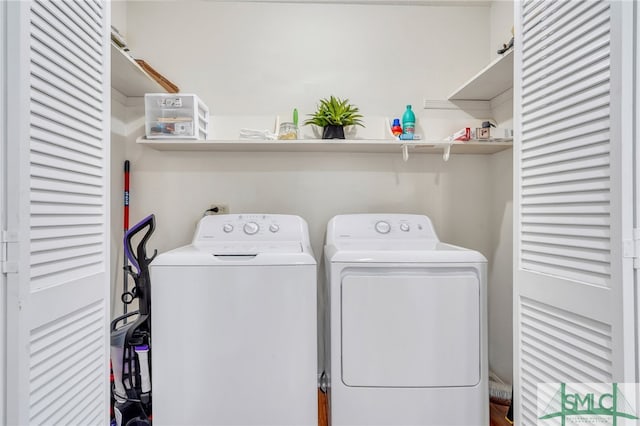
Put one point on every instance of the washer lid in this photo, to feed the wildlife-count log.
(235, 255)
(251, 248)
(390, 238)
(382, 245)
(401, 252)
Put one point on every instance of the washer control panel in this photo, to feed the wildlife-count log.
(250, 227)
(381, 226)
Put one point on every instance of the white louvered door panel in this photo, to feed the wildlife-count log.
(58, 153)
(573, 286)
(3, 192)
(636, 168)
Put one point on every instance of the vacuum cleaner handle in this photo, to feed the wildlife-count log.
(141, 262)
(141, 253)
(114, 323)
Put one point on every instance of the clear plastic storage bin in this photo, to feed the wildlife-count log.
(175, 116)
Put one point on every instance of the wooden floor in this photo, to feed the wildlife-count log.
(497, 412)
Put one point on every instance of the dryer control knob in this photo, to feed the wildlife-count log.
(404, 227)
(383, 227)
(251, 228)
(274, 228)
(227, 228)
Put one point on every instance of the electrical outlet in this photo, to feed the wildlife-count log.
(218, 208)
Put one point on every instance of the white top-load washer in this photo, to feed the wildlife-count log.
(234, 325)
(407, 324)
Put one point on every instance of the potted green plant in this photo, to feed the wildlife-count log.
(333, 115)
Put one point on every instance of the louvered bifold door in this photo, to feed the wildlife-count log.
(573, 296)
(57, 186)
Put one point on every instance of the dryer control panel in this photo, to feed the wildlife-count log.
(380, 227)
(251, 227)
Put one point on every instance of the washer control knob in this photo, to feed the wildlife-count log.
(227, 228)
(404, 227)
(274, 228)
(383, 227)
(251, 228)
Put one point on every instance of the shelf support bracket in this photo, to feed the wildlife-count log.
(446, 152)
(405, 152)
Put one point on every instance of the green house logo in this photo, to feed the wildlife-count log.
(567, 404)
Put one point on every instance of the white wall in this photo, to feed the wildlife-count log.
(119, 121)
(119, 132)
(266, 59)
(119, 16)
(256, 58)
(179, 186)
(501, 23)
(500, 285)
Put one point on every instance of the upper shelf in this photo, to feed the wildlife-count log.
(128, 78)
(319, 145)
(494, 79)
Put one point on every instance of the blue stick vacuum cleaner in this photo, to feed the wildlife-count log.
(131, 340)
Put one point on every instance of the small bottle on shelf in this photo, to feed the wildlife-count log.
(396, 129)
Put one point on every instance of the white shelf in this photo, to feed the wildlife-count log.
(493, 80)
(128, 78)
(319, 145)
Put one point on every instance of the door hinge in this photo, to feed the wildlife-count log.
(6, 238)
(632, 248)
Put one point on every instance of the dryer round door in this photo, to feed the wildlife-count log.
(410, 327)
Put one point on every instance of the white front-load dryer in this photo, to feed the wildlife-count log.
(234, 325)
(407, 325)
